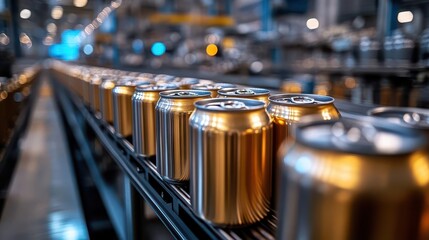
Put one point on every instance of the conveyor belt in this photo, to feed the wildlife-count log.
(43, 200)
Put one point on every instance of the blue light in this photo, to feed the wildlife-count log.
(88, 49)
(158, 49)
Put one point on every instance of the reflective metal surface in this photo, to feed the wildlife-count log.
(122, 109)
(355, 179)
(251, 93)
(172, 130)
(230, 161)
(416, 118)
(94, 93)
(286, 110)
(213, 88)
(144, 101)
(106, 100)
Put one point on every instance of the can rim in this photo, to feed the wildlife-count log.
(380, 110)
(255, 104)
(317, 100)
(150, 88)
(215, 86)
(416, 138)
(258, 92)
(198, 93)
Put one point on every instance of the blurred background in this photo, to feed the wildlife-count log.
(368, 52)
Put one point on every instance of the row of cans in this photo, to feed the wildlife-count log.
(323, 175)
(14, 94)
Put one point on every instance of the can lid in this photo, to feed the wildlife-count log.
(300, 99)
(108, 84)
(156, 88)
(185, 94)
(231, 92)
(359, 135)
(212, 86)
(411, 117)
(229, 104)
(189, 81)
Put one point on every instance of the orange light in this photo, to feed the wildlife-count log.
(211, 50)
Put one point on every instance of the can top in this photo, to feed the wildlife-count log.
(108, 84)
(359, 135)
(289, 99)
(184, 94)
(229, 104)
(231, 92)
(164, 77)
(96, 79)
(213, 86)
(189, 81)
(156, 88)
(411, 117)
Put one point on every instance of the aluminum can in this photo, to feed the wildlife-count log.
(354, 178)
(122, 108)
(251, 93)
(94, 93)
(85, 81)
(172, 130)
(106, 100)
(213, 88)
(144, 102)
(287, 110)
(186, 83)
(416, 118)
(230, 161)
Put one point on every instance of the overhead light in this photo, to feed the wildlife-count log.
(158, 49)
(80, 3)
(212, 49)
(88, 49)
(25, 14)
(405, 17)
(4, 39)
(51, 28)
(57, 12)
(312, 23)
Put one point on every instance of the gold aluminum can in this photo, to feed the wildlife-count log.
(172, 130)
(85, 81)
(213, 87)
(251, 93)
(122, 108)
(287, 110)
(106, 100)
(230, 161)
(94, 93)
(416, 118)
(354, 178)
(144, 102)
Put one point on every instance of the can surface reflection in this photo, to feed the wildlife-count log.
(287, 110)
(106, 100)
(122, 108)
(230, 160)
(213, 87)
(355, 178)
(172, 130)
(94, 93)
(416, 118)
(144, 101)
(251, 93)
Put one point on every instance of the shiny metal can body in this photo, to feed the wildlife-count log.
(416, 118)
(213, 88)
(106, 100)
(251, 93)
(172, 130)
(144, 102)
(122, 109)
(94, 93)
(230, 161)
(354, 178)
(288, 109)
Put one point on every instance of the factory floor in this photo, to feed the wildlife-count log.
(43, 199)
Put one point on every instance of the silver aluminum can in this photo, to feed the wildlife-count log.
(172, 130)
(144, 102)
(230, 161)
